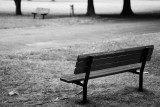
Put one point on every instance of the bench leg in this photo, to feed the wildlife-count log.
(141, 71)
(141, 81)
(34, 15)
(86, 81)
(43, 15)
(84, 94)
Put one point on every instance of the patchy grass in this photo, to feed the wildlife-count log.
(27, 21)
(34, 76)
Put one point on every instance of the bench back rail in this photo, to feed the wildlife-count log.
(106, 60)
(42, 10)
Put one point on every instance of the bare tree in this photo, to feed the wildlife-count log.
(90, 8)
(127, 8)
(18, 7)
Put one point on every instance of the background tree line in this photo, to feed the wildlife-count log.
(90, 8)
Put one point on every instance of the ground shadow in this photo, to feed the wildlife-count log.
(143, 16)
(136, 16)
(128, 96)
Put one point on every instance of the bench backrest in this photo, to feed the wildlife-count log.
(117, 58)
(42, 10)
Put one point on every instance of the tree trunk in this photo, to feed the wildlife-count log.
(127, 11)
(90, 8)
(18, 7)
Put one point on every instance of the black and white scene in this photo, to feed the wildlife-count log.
(79, 53)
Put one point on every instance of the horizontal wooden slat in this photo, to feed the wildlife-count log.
(107, 54)
(82, 63)
(107, 65)
(101, 73)
(80, 70)
(115, 53)
(117, 59)
(116, 64)
(112, 59)
(82, 60)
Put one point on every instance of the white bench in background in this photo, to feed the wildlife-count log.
(41, 11)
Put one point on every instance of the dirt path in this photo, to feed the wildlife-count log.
(52, 37)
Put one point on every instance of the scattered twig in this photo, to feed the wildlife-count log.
(80, 92)
(67, 97)
(17, 85)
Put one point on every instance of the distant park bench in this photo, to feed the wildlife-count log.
(41, 11)
(102, 64)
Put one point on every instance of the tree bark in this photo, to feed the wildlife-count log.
(90, 8)
(18, 7)
(127, 11)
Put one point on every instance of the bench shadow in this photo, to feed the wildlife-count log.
(126, 96)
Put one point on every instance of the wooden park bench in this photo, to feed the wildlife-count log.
(41, 11)
(95, 65)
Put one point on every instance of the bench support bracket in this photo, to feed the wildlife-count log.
(135, 71)
(78, 83)
(34, 15)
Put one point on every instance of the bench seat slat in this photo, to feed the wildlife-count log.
(101, 73)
